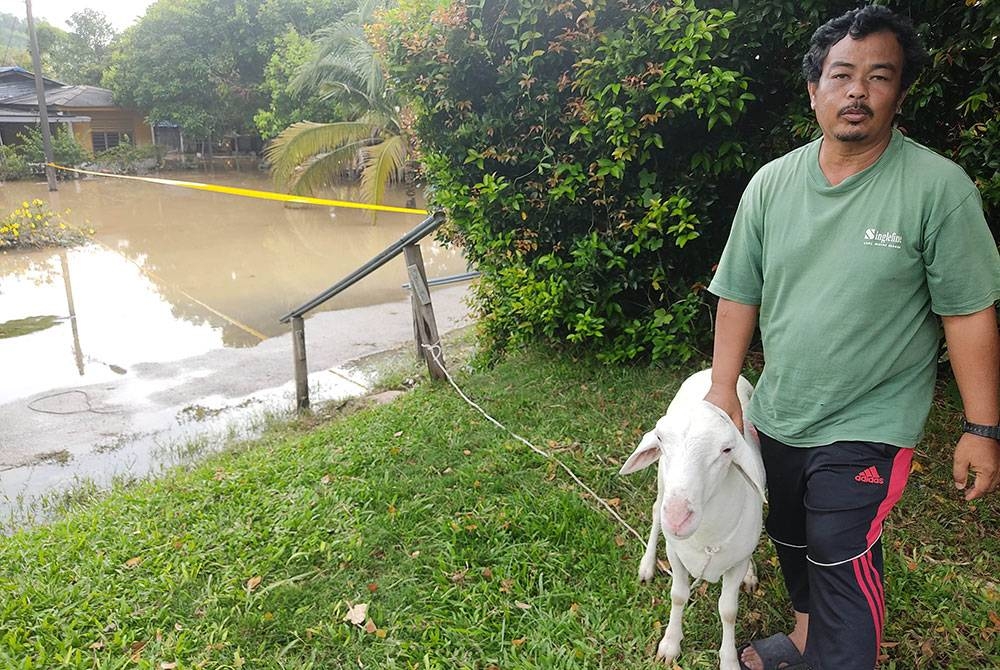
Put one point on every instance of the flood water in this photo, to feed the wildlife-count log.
(172, 273)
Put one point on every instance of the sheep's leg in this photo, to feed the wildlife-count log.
(647, 566)
(750, 579)
(728, 604)
(680, 590)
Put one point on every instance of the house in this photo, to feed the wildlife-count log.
(88, 111)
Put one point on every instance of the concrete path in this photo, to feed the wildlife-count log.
(133, 425)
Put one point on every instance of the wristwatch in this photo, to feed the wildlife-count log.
(981, 430)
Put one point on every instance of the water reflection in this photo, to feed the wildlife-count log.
(173, 272)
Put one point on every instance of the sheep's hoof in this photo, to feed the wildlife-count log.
(645, 575)
(668, 650)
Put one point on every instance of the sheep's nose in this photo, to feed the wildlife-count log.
(677, 516)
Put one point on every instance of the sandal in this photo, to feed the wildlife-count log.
(775, 651)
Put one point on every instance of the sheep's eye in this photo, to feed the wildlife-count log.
(727, 450)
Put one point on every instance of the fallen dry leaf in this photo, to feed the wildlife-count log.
(398, 433)
(326, 479)
(168, 666)
(133, 562)
(373, 587)
(370, 626)
(506, 585)
(357, 614)
(136, 649)
(487, 573)
(97, 646)
(466, 452)
(518, 641)
(614, 502)
(380, 633)
(663, 565)
(254, 582)
(619, 541)
(524, 606)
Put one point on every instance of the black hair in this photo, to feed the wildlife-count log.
(859, 23)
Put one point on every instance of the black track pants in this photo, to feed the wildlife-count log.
(826, 506)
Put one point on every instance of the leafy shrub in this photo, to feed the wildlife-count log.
(126, 158)
(590, 154)
(65, 149)
(33, 224)
(12, 166)
(576, 149)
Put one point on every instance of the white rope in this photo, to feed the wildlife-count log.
(435, 349)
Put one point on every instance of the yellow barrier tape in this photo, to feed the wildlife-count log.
(250, 193)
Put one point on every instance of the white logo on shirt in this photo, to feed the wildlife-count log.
(875, 238)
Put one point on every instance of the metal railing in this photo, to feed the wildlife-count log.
(424, 326)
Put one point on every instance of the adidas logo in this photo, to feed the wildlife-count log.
(869, 476)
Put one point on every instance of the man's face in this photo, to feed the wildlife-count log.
(859, 91)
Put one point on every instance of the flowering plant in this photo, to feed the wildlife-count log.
(33, 224)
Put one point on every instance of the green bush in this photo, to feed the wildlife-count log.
(590, 154)
(34, 225)
(65, 150)
(576, 149)
(127, 158)
(12, 166)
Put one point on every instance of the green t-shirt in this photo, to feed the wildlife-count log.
(848, 278)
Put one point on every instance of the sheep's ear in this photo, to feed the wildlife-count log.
(747, 458)
(647, 453)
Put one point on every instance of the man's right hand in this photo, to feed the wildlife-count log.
(725, 398)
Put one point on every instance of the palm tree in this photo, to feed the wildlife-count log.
(346, 68)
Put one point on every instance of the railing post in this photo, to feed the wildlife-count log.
(424, 325)
(301, 369)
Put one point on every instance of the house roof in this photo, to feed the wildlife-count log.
(17, 87)
(15, 72)
(75, 97)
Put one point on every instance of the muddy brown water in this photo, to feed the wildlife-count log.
(159, 341)
(172, 273)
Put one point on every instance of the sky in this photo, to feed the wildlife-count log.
(121, 13)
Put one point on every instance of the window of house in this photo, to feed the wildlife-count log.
(105, 140)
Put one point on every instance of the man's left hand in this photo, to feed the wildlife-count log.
(981, 457)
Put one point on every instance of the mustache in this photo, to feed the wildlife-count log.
(855, 108)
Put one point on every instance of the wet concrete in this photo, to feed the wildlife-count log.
(133, 425)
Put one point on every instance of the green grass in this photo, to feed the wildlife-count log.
(469, 550)
(26, 326)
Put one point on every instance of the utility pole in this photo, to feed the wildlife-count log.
(43, 111)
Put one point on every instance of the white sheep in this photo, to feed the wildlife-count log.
(709, 497)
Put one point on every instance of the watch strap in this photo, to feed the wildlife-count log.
(981, 430)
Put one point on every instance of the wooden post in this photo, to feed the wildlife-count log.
(301, 369)
(43, 108)
(425, 328)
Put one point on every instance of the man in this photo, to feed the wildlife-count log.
(845, 250)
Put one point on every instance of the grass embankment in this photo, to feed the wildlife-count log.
(469, 550)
